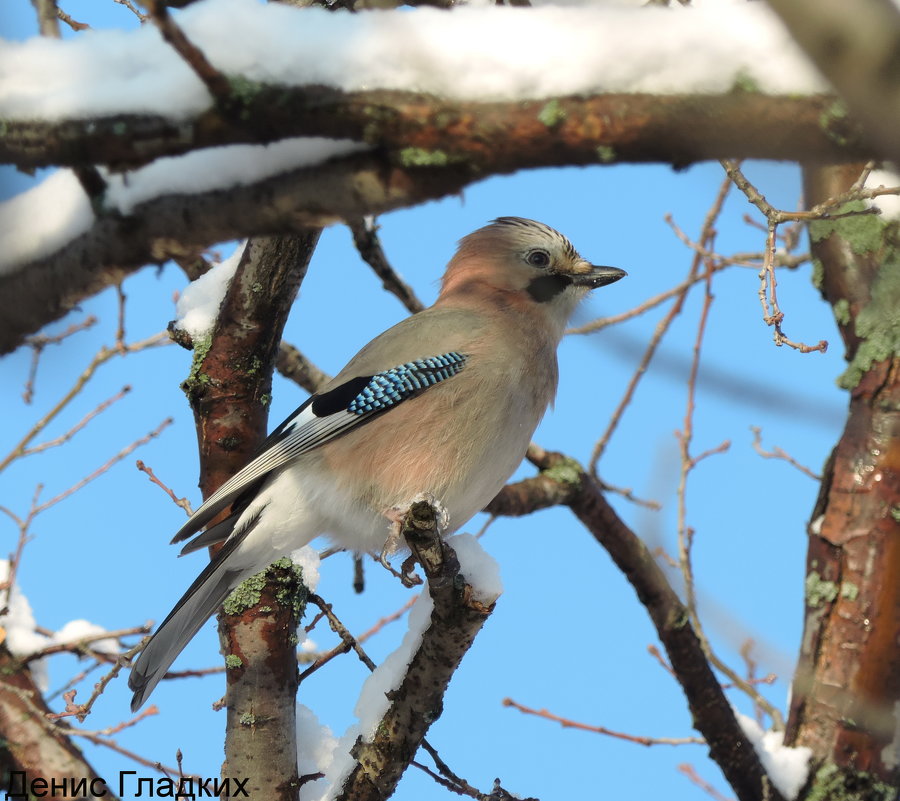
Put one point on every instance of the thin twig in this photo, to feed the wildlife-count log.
(63, 438)
(37, 344)
(365, 237)
(184, 503)
(79, 646)
(131, 7)
(215, 81)
(688, 770)
(104, 355)
(661, 328)
(778, 453)
(48, 18)
(73, 24)
(632, 738)
(103, 468)
(772, 313)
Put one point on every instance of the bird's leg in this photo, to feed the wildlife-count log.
(392, 544)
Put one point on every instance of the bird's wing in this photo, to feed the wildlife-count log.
(323, 417)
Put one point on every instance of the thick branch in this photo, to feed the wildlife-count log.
(47, 288)
(419, 128)
(258, 631)
(846, 691)
(455, 621)
(425, 148)
(228, 388)
(29, 742)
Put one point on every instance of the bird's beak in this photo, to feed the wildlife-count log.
(598, 276)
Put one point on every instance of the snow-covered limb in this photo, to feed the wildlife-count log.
(404, 696)
(474, 53)
(413, 127)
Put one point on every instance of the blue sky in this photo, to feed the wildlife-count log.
(568, 633)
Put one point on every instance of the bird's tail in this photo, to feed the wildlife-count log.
(196, 606)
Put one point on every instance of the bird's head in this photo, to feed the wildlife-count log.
(528, 261)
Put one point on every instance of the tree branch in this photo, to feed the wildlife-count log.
(424, 148)
(455, 621)
(411, 127)
(712, 714)
(47, 288)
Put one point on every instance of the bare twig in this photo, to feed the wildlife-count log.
(48, 21)
(768, 297)
(73, 24)
(685, 533)
(365, 237)
(662, 327)
(63, 438)
(215, 81)
(632, 738)
(79, 646)
(133, 9)
(104, 355)
(38, 342)
(688, 770)
(184, 503)
(102, 469)
(779, 453)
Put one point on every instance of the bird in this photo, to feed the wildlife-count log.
(445, 402)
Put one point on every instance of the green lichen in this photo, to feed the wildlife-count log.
(878, 322)
(819, 591)
(552, 114)
(606, 154)
(833, 783)
(243, 94)
(254, 363)
(245, 595)
(232, 662)
(895, 513)
(197, 379)
(842, 311)
(818, 273)
(419, 157)
(568, 471)
(744, 82)
(288, 589)
(247, 719)
(834, 121)
(862, 231)
(291, 589)
(849, 590)
(679, 619)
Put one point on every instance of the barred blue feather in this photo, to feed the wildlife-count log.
(392, 386)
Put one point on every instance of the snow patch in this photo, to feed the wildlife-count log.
(788, 768)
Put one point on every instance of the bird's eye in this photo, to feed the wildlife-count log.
(538, 258)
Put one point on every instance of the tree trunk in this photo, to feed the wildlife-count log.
(846, 692)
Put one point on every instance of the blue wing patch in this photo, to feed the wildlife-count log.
(388, 388)
(324, 417)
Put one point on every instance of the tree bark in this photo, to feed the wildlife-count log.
(229, 390)
(30, 744)
(846, 694)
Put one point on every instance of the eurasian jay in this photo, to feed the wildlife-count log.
(444, 402)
